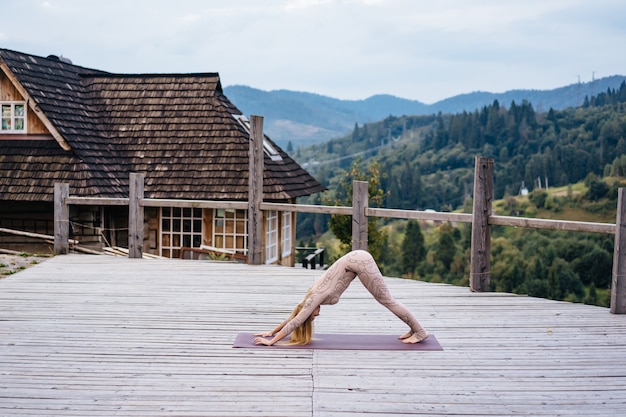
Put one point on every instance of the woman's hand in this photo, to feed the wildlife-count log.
(262, 341)
(266, 334)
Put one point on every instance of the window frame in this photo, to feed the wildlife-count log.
(13, 117)
(238, 220)
(184, 229)
(286, 229)
(271, 236)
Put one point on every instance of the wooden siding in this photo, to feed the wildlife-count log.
(34, 126)
(7, 91)
(100, 336)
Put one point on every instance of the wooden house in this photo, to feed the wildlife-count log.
(91, 129)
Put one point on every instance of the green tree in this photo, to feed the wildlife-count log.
(341, 225)
(562, 280)
(446, 247)
(413, 250)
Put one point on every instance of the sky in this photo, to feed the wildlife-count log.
(346, 49)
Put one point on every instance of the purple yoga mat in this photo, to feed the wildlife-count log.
(344, 341)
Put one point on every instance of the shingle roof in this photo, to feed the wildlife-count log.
(177, 129)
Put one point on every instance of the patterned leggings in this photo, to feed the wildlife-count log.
(360, 263)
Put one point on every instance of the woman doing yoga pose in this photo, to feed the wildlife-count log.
(328, 288)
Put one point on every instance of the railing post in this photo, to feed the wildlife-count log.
(135, 216)
(255, 192)
(359, 219)
(618, 279)
(480, 269)
(61, 219)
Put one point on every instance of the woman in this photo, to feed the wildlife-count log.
(327, 290)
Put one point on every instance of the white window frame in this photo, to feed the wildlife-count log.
(12, 117)
(229, 227)
(271, 236)
(268, 149)
(180, 227)
(286, 229)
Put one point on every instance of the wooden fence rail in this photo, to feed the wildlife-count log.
(481, 219)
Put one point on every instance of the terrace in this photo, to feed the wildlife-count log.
(90, 335)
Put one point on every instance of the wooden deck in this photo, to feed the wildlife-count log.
(85, 335)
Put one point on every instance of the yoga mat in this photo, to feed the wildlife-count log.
(344, 341)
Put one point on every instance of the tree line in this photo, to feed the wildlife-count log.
(421, 162)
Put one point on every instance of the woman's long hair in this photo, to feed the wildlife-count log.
(304, 334)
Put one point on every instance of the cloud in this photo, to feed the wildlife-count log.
(343, 48)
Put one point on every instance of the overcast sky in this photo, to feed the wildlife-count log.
(347, 49)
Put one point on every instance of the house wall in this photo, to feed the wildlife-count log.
(8, 92)
(99, 227)
(37, 217)
(151, 230)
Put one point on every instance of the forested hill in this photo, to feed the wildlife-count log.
(428, 161)
(305, 118)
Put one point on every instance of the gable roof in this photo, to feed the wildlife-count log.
(179, 130)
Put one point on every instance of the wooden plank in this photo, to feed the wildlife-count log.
(420, 215)
(163, 202)
(618, 278)
(480, 252)
(135, 216)
(255, 191)
(96, 201)
(61, 219)
(307, 208)
(359, 218)
(568, 225)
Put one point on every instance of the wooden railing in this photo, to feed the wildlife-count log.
(481, 218)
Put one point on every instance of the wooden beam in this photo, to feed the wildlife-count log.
(307, 208)
(359, 218)
(481, 230)
(255, 192)
(61, 219)
(572, 226)
(96, 201)
(420, 215)
(162, 202)
(618, 284)
(33, 235)
(135, 216)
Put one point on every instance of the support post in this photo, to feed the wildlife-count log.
(61, 219)
(618, 279)
(359, 219)
(135, 216)
(255, 192)
(480, 268)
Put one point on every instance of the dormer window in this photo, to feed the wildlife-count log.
(13, 117)
(268, 149)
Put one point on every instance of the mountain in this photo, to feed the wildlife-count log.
(305, 118)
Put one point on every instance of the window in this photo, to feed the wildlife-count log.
(230, 230)
(13, 115)
(286, 234)
(180, 227)
(267, 147)
(271, 236)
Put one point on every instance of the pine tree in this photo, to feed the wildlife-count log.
(413, 250)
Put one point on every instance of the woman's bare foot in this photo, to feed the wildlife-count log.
(405, 336)
(416, 337)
